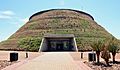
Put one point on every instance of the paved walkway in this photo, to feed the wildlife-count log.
(54, 61)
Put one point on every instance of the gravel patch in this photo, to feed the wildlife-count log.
(102, 66)
(5, 63)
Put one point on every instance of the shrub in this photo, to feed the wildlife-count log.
(29, 43)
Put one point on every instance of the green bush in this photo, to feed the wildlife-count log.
(29, 43)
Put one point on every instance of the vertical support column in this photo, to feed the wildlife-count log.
(41, 45)
(75, 44)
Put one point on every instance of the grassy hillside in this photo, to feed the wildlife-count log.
(59, 21)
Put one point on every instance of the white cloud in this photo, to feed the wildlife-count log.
(10, 17)
(5, 17)
(8, 13)
(62, 2)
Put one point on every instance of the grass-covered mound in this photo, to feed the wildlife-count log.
(58, 21)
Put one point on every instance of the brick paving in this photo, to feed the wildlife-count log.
(50, 61)
(54, 61)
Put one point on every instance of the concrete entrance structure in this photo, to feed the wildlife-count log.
(58, 42)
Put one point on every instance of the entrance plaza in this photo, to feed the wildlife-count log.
(52, 61)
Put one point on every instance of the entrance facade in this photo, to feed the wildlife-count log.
(58, 42)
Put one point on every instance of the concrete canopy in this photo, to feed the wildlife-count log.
(58, 42)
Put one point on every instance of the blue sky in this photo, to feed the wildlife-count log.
(14, 13)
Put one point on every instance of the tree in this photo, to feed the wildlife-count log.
(106, 55)
(113, 47)
(97, 46)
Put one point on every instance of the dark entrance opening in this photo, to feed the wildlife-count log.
(59, 47)
(59, 44)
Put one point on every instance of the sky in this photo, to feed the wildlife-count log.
(15, 13)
